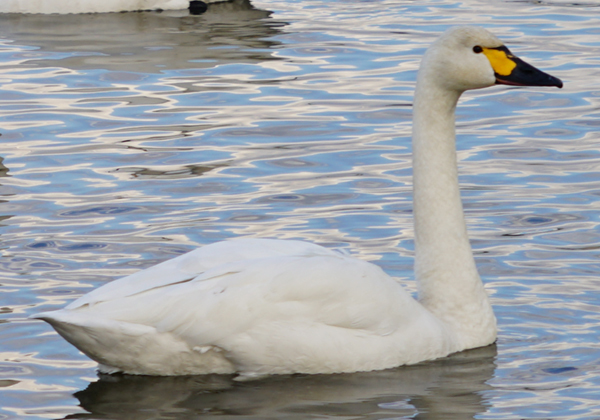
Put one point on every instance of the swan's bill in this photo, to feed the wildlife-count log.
(511, 70)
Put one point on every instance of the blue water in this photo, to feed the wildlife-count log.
(130, 138)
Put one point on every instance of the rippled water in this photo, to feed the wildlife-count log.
(130, 138)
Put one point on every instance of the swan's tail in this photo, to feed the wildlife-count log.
(120, 346)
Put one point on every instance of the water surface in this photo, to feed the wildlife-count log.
(130, 138)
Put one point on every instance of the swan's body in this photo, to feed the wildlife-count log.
(92, 6)
(257, 307)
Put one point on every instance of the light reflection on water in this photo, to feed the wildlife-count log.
(130, 138)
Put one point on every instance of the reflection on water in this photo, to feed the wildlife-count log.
(130, 138)
(451, 387)
(145, 41)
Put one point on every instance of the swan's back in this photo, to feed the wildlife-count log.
(220, 256)
(90, 6)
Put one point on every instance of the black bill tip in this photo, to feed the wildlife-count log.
(524, 74)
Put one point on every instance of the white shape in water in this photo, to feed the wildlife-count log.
(256, 307)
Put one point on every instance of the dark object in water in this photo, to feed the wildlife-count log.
(197, 7)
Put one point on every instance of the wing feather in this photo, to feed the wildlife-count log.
(190, 266)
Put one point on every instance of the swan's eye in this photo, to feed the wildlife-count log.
(477, 49)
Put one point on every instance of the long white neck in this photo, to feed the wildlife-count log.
(449, 284)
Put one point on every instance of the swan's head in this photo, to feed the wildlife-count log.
(469, 57)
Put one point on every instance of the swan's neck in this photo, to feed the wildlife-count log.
(449, 284)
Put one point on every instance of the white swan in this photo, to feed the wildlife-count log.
(93, 6)
(257, 307)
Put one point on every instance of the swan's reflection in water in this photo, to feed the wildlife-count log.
(147, 42)
(450, 388)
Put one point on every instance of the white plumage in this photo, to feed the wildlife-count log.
(256, 307)
(91, 6)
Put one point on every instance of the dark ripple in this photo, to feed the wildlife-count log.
(82, 247)
(108, 210)
(308, 199)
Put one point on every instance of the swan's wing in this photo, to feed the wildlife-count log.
(255, 296)
(191, 265)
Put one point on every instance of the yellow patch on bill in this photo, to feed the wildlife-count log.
(501, 62)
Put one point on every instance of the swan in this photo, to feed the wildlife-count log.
(100, 6)
(256, 307)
